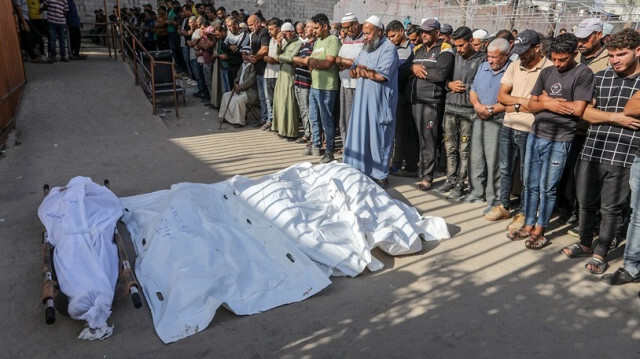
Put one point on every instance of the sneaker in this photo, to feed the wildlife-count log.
(574, 232)
(471, 199)
(497, 213)
(457, 192)
(446, 187)
(311, 151)
(619, 277)
(328, 157)
(517, 223)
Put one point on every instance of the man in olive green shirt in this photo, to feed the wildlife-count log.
(324, 87)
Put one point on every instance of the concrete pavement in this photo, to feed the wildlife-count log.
(476, 295)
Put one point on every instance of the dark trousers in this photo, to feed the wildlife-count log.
(406, 146)
(567, 200)
(30, 39)
(601, 187)
(428, 116)
(75, 37)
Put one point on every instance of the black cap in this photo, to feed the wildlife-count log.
(524, 41)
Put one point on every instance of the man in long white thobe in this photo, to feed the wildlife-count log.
(370, 135)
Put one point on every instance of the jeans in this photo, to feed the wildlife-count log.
(198, 72)
(457, 142)
(484, 164)
(428, 118)
(543, 167)
(206, 73)
(632, 247)
(270, 84)
(262, 94)
(511, 144)
(226, 86)
(302, 96)
(321, 114)
(603, 187)
(185, 56)
(59, 32)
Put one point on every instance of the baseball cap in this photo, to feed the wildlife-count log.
(430, 24)
(587, 27)
(607, 29)
(446, 29)
(524, 41)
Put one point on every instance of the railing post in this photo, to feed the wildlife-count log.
(173, 82)
(152, 63)
(135, 59)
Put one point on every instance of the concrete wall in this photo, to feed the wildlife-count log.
(294, 9)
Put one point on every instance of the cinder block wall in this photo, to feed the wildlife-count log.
(294, 9)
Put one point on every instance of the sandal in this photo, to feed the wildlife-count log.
(424, 185)
(518, 235)
(266, 126)
(575, 251)
(536, 242)
(303, 139)
(600, 265)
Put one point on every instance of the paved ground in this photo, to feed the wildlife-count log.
(476, 295)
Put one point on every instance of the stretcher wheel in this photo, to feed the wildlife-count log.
(50, 315)
(137, 300)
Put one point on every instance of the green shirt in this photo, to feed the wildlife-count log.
(326, 79)
(172, 16)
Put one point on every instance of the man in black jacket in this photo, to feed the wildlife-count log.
(429, 67)
(458, 112)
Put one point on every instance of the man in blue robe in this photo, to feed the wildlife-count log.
(370, 136)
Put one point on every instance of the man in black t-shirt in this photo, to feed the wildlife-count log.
(259, 49)
(558, 99)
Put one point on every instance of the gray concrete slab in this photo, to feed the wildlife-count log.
(476, 295)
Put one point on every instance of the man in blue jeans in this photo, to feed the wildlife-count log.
(259, 40)
(324, 87)
(57, 18)
(558, 100)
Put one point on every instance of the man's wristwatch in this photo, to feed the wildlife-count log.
(516, 107)
(490, 109)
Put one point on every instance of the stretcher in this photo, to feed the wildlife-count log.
(55, 300)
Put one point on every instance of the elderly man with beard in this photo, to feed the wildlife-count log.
(484, 167)
(370, 136)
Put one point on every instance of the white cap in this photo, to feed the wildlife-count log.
(607, 29)
(349, 17)
(287, 27)
(375, 21)
(587, 27)
(480, 34)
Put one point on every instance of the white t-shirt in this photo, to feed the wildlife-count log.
(271, 71)
(194, 37)
(350, 50)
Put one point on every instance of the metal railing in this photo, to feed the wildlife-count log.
(133, 49)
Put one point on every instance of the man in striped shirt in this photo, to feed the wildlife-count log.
(57, 17)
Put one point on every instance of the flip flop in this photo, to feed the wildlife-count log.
(424, 185)
(576, 251)
(535, 243)
(600, 265)
(518, 235)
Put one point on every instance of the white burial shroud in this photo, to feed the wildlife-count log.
(252, 245)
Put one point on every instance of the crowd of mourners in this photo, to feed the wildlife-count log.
(527, 124)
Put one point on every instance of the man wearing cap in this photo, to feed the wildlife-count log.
(324, 87)
(514, 93)
(405, 147)
(370, 137)
(604, 167)
(593, 54)
(459, 112)
(607, 30)
(429, 68)
(445, 33)
(558, 99)
(351, 47)
(479, 40)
